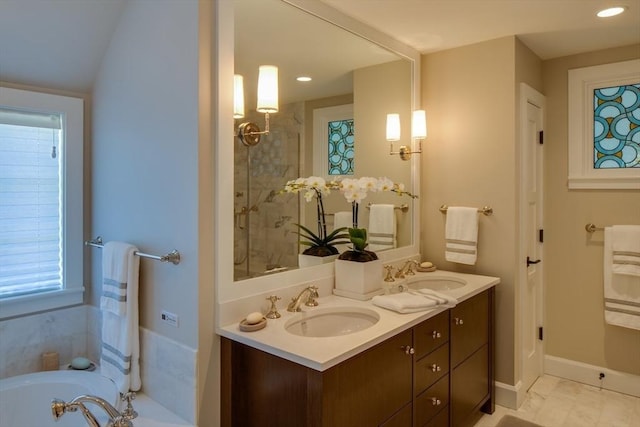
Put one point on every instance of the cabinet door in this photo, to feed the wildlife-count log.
(431, 334)
(469, 387)
(469, 327)
(401, 419)
(369, 388)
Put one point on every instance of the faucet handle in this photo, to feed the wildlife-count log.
(389, 275)
(129, 413)
(410, 271)
(311, 299)
(400, 273)
(273, 310)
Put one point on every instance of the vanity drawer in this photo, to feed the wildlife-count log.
(431, 334)
(430, 369)
(432, 401)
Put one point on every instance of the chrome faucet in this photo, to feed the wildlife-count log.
(407, 269)
(310, 293)
(116, 419)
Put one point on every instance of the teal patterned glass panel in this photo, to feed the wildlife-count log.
(341, 147)
(616, 131)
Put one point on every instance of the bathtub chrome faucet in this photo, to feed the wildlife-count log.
(116, 419)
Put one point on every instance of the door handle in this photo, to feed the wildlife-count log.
(529, 262)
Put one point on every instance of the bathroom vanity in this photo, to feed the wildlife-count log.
(423, 369)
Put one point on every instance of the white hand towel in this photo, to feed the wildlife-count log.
(382, 227)
(461, 235)
(442, 299)
(626, 249)
(621, 291)
(119, 359)
(404, 302)
(342, 219)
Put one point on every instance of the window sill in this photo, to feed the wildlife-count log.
(27, 304)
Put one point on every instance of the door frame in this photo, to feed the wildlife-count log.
(528, 95)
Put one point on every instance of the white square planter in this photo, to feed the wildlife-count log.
(359, 280)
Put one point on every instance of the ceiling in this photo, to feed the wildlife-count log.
(551, 28)
(60, 43)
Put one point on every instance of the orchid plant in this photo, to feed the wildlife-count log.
(354, 191)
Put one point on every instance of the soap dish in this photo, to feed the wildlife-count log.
(92, 367)
(245, 327)
(426, 270)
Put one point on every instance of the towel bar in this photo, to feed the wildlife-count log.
(591, 228)
(172, 257)
(487, 210)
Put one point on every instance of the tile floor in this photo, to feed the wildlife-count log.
(556, 402)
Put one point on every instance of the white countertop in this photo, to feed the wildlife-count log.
(323, 353)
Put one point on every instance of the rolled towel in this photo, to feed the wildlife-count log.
(404, 302)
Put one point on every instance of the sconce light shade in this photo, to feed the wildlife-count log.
(419, 125)
(238, 96)
(268, 89)
(393, 127)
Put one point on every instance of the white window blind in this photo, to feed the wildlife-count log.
(30, 203)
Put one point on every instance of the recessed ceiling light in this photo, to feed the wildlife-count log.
(303, 79)
(612, 11)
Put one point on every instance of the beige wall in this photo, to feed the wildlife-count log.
(574, 323)
(469, 94)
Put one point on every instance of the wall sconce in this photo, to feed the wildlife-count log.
(238, 96)
(249, 133)
(418, 132)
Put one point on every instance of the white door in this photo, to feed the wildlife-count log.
(531, 260)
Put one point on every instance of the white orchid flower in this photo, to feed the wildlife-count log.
(308, 195)
(368, 183)
(385, 184)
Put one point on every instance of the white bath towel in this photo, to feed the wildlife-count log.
(120, 353)
(382, 227)
(625, 244)
(404, 302)
(621, 291)
(461, 235)
(342, 219)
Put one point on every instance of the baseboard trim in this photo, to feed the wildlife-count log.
(620, 382)
(510, 396)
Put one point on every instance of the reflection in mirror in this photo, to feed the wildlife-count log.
(354, 84)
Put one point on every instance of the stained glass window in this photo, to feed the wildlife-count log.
(616, 133)
(341, 147)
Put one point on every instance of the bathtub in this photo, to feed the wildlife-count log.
(25, 400)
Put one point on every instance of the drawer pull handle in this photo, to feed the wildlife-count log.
(459, 321)
(436, 335)
(435, 368)
(408, 350)
(435, 401)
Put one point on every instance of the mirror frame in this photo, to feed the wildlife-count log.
(226, 289)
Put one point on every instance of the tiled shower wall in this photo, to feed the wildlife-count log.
(168, 368)
(260, 172)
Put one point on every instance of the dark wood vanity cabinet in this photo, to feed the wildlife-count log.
(472, 385)
(436, 374)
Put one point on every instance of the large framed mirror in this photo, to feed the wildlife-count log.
(358, 77)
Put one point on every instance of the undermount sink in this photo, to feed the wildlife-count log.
(331, 322)
(436, 283)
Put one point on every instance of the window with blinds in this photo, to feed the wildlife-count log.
(41, 202)
(30, 202)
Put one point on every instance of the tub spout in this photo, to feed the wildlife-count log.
(116, 419)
